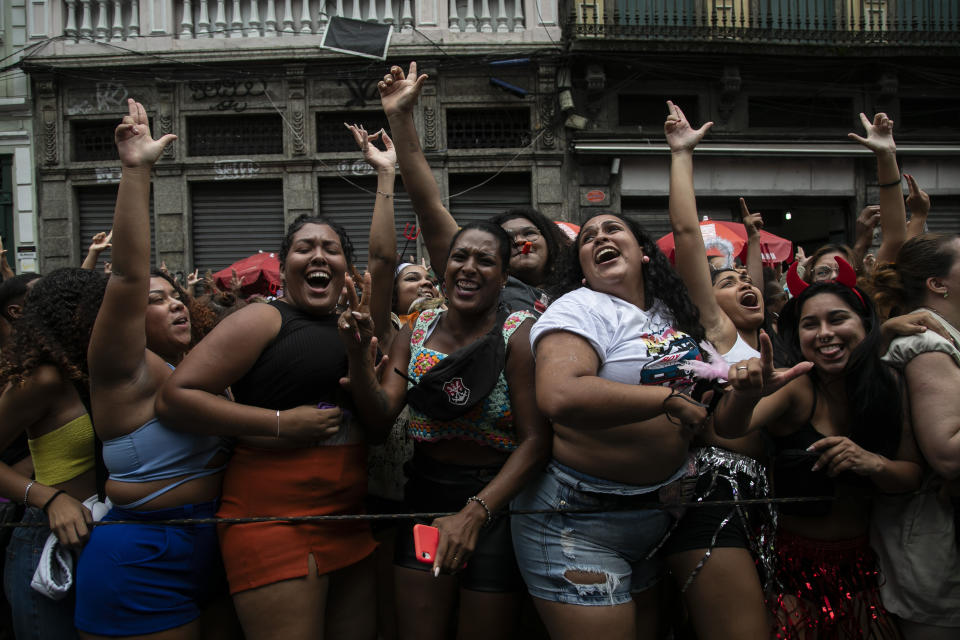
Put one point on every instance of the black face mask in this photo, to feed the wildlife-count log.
(463, 379)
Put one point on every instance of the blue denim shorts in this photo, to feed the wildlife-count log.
(618, 542)
(142, 578)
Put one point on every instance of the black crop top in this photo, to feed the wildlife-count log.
(793, 475)
(301, 366)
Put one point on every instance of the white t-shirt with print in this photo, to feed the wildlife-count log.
(634, 346)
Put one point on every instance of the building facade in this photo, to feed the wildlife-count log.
(259, 109)
(784, 81)
(18, 206)
(556, 105)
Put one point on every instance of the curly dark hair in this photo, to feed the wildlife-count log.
(660, 280)
(548, 229)
(13, 288)
(305, 219)
(58, 316)
(202, 319)
(874, 392)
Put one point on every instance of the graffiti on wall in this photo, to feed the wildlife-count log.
(230, 95)
(235, 169)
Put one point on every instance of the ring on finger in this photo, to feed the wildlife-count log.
(742, 368)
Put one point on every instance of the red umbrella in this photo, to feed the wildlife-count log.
(569, 229)
(259, 274)
(721, 237)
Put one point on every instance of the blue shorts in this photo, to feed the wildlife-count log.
(135, 579)
(618, 542)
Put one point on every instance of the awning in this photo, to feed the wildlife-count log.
(753, 149)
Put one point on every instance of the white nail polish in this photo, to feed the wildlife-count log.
(436, 572)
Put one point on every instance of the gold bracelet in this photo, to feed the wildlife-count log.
(278, 423)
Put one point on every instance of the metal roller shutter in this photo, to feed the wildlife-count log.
(232, 220)
(352, 207)
(95, 205)
(504, 192)
(944, 215)
(650, 213)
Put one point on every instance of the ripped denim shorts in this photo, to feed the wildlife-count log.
(618, 544)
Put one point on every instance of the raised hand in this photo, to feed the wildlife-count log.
(681, 136)
(756, 377)
(869, 217)
(101, 242)
(918, 202)
(136, 146)
(399, 91)
(379, 160)
(752, 222)
(193, 278)
(356, 323)
(879, 134)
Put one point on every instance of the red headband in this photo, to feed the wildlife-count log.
(845, 276)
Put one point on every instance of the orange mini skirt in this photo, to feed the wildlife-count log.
(292, 482)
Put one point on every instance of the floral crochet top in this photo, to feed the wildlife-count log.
(490, 423)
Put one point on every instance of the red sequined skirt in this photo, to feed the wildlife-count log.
(828, 589)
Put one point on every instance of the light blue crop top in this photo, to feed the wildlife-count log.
(155, 452)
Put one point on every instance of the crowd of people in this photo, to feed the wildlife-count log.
(617, 444)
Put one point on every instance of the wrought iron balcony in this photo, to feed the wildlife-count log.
(793, 22)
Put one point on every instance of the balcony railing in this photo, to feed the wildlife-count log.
(821, 22)
(116, 20)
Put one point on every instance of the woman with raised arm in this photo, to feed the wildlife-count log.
(301, 449)
(821, 267)
(712, 552)
(473, 460)
(918, 537)
(840, 431)
(395, 290)
(610, 355)
(44, 371)
(535, 240)
(145, 578)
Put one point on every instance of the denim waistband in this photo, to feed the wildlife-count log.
(591, 484)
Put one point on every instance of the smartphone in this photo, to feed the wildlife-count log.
(425, 540)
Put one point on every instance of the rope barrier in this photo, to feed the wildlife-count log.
(440, 514)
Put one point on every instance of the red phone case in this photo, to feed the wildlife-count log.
(425, 540)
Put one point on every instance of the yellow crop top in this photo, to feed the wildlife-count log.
(65, 453)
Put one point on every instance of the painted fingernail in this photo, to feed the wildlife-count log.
(357, 336)
(436, 572)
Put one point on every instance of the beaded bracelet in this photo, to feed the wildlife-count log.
(483, 504)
